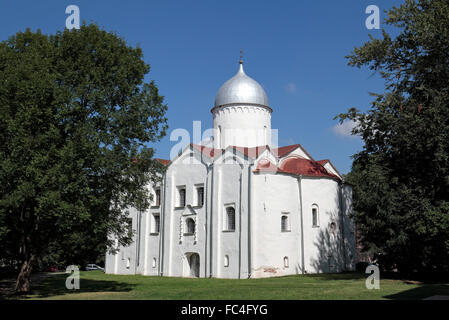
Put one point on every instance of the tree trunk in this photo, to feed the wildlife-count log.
(23, 279)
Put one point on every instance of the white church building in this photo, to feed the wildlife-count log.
(241, 208)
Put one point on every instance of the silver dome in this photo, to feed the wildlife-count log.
(241, 89)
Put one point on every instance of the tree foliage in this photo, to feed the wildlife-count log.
(76, 113)
(401, 177)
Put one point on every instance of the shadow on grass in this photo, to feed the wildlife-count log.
(339, 276)
(424, 289)
(421, 292)
(55, 285)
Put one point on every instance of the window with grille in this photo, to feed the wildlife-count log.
(230, 219)
(285, 224)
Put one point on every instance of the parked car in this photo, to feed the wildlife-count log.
(92, 266)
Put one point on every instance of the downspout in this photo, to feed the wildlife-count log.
(249, 221)
(162, 228)
(211, 219)
(240, 225)
(301, 222)
(205, 196)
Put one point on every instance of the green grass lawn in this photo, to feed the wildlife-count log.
(97, 285)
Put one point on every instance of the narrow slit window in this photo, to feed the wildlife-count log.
(182, 197)
(200, 196)
(333, 227)
(315, 216)
(230, 218)
(158, 197)
(285, 224)
(285, 262)
(156, 223)
(226, 261)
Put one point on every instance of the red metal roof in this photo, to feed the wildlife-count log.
(208, 152)
(282, 151)
(323, 162)
(305, 167)
(253, 152)
(293, 165)
(163, 161)
(266, 165)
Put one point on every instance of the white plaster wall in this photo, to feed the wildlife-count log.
(322, 251)
(150, 250)
(110, 260)
(241, 125)
(274, 195)
(228, 242)
(188, 172)
(265, 249)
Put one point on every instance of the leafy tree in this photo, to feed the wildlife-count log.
(76, 123)
(401, 177)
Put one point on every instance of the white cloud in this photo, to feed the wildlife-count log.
(344, 129)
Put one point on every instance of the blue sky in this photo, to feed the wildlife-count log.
(294, 49)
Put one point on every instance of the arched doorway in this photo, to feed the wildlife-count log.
(193, 264)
